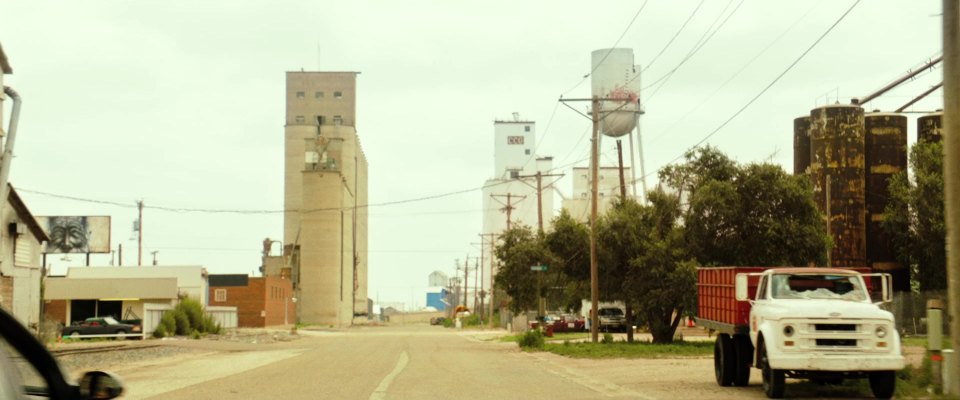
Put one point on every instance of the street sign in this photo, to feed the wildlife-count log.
(538, 268)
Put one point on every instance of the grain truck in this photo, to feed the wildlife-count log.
(806, 323)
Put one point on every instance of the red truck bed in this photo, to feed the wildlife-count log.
(716, 297)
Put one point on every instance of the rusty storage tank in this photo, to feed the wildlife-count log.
(885, 153)
(837, 156)
(801, 145)
(929, 127)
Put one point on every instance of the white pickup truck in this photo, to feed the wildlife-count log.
(808, 323)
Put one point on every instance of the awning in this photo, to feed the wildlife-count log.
(117, 288)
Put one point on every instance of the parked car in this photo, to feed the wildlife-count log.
(100, 326)
(568, 323)
(28, 370)
(612, 319)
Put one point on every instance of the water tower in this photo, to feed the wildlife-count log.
(615, 76)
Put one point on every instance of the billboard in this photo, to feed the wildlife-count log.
(76, 234)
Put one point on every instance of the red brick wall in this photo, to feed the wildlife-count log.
(55, 310)
(259, 296)
(279, 292)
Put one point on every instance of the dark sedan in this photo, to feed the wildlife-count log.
(100, 326)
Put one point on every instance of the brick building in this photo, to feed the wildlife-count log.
(260, 302)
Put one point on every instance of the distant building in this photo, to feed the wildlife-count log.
(122, 292)
(512, 185)
(437, 298)
(438, 278)
(260, 301)
(20, 261)
(608, 191)
(325, 180)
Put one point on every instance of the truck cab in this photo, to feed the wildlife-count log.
(820, 323)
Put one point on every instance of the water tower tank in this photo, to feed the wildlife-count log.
(885, 153)
(929, 127)
(837, 153)
(615, 76)
(801, 145)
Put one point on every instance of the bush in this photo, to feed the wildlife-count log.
(607, 339)
(210, 325)
(160, 331)
(193, 311)
(195, 334)
(183, 322)
(168, 325)
(532, 340)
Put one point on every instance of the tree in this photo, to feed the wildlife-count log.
(915, 216)
(518, 250)
(649, 261)
(762, 216)
(569, 242)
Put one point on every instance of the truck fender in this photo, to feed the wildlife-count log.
(768, 335)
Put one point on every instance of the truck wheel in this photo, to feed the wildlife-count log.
(724, 360)
(774, 380)
(120, 332)
(882, 383)
(744, 358)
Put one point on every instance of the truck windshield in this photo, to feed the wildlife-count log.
(840, 287)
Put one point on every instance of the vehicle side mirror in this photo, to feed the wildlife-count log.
(99, 385)
(741, 287)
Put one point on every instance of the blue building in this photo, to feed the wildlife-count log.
(436, 297)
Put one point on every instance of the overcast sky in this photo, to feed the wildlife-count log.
(181, 104)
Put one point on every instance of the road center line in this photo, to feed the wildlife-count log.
(381, 392)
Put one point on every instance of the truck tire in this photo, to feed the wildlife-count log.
(744, 358)
(883, 383)
(724, 360)
(774, 380)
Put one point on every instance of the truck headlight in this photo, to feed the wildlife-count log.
(788, 331)
(881, 332)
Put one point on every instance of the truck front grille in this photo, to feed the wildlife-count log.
(836, 327)
(837, 342)
(835, 335)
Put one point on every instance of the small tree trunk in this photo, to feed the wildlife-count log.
(629, 323)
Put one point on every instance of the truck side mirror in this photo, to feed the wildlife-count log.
(741, 288)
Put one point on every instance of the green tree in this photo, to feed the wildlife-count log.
(569, 242)
(655, 272)
(915, 216)
(518, 249)
(762, 216)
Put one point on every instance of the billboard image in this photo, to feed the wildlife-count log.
(77, 234)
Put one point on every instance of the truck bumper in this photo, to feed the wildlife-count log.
(837, 362)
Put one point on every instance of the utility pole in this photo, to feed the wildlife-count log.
(508, 206)
(139, 233)
(951, 175)
(623, 198)
(492, 274)
(466, 274)
(476, 294)
(594, 262)
(539, 175)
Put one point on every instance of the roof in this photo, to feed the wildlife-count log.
(812, 271)
(24, 214)
(119, 288)
(4, 64)
(228, 280)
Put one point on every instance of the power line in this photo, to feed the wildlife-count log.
(625, 30)
(241, 211)
(675, 35)
(765, 89)
(735, 75)
(708, 34)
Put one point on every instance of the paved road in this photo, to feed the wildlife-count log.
(419, 362)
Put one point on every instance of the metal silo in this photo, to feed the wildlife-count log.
(837, 173)
(614, 76)
(885, 151)
(929, 127)
(801, 145)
